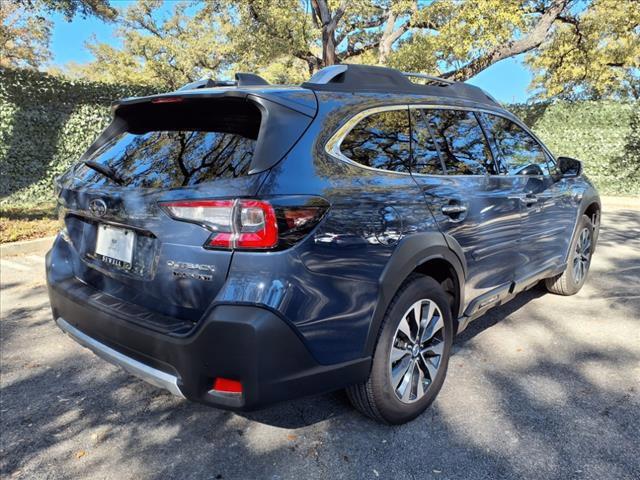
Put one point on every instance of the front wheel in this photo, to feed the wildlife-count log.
(572, 279)
(411, 356)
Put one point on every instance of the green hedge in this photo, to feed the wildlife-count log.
(605, 135)
(46, 123)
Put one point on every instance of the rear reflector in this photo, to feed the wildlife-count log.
(227, 385)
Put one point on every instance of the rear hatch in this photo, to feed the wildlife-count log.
(189, 146)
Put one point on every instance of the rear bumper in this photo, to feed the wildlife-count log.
(241, 342)
(145, 372)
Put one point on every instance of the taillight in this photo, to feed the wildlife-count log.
(249, 224)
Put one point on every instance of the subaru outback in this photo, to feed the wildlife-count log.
(240, 243)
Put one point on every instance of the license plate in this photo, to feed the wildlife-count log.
(115, 245)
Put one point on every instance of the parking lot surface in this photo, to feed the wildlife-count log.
(543, 387)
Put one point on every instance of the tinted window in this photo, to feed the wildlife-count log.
(380, 140)
(426, 159)
(518, 152)
(172, 159)
(461, 142)
(177, 143)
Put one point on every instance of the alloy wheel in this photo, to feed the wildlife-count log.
(416, 351)
(582, 255)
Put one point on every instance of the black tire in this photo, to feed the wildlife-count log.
(567, 283)
(377, 398)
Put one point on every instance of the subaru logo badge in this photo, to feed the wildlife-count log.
(98, 207)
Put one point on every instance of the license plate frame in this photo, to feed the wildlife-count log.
(114, 245)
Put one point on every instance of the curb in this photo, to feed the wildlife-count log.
(37, 246)
(626, 203)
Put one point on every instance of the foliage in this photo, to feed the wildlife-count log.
(605, 135)
(288, 40)
(593, 54)
(46, 123)
(24, 37)
(168, 51)
(25, 32)
(70, 8)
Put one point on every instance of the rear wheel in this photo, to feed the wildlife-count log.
(411, 356)
(571, 280)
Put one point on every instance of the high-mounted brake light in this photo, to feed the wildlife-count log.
(167, 100)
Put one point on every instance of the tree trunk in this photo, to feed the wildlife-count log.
(329, 24)
(329, 56)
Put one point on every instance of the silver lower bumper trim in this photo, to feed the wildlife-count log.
(148, 374)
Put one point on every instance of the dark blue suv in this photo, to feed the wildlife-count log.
(240, 243)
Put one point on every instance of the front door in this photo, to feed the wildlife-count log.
(547, 206)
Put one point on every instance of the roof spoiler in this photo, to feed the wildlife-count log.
(242, 80)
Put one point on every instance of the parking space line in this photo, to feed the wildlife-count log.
(14, 265)
(35, 258)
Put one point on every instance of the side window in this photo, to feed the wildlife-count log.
(461, 142)
(380, 140)
(518, 152)
(426, 158)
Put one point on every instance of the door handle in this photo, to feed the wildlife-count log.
(453, 209)
(527, 199)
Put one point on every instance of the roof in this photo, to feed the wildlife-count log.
(335, 78)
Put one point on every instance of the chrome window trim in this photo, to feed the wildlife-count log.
(332, 147)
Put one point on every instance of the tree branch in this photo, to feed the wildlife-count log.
(352, 51)
(533, 39)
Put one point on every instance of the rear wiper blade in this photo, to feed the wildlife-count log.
(104, 170)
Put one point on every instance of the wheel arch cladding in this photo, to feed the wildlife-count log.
(427, 253)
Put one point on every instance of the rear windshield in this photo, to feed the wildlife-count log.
(178, 144)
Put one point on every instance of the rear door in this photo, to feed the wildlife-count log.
(547, 207)
(454, 166)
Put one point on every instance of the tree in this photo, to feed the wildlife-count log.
(70, 8)
(164, 50)
(288, 40)
(24, 38)
(599, 39)
(449, 37)
(25, 33)
(594, 53)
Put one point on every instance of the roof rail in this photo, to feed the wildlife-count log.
(242, 79)
(206, 83)
(327, 74)
(367, 78)
(431, 78)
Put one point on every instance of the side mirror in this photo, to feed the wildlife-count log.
(569, 167)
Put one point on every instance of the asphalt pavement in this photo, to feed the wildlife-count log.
(543, 387)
